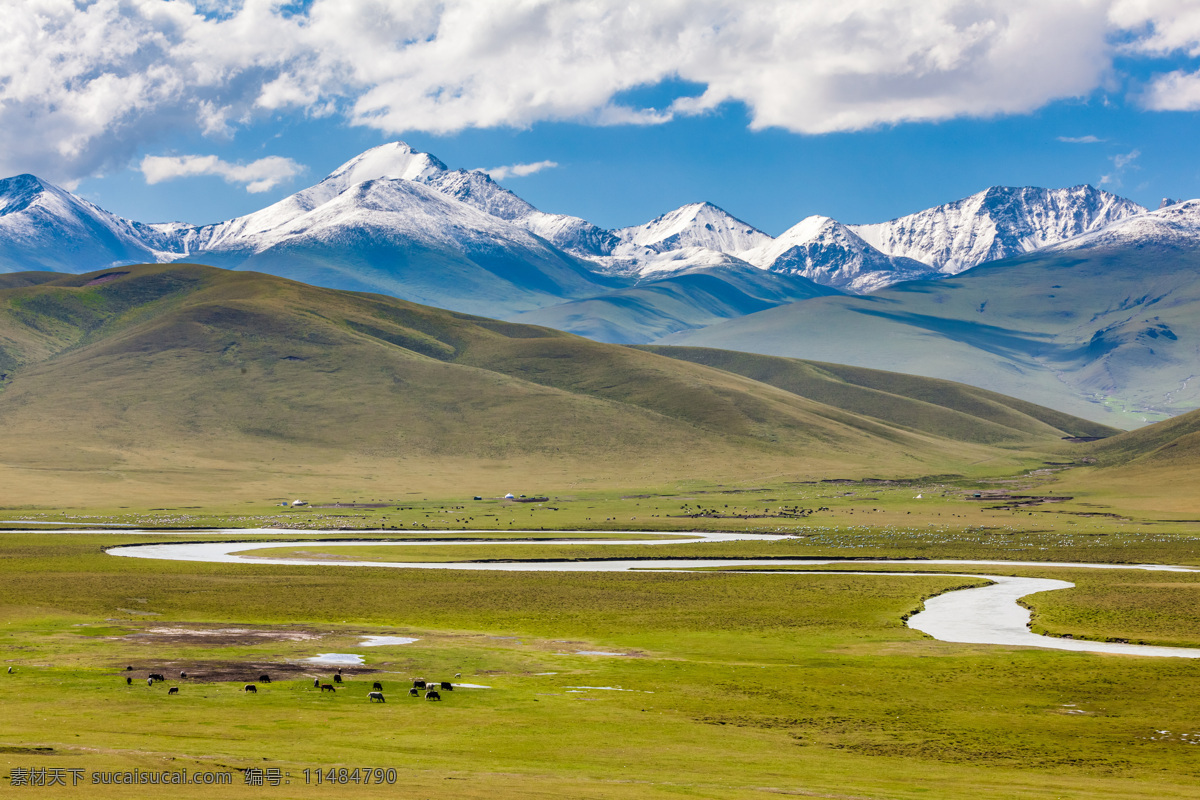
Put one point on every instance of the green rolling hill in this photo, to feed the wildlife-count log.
(160, 382)
(1108, 334)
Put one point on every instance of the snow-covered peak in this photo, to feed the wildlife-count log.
(392, 160)
(1175, 224)
(996, 223)
(694, 225)
(829, 253)
(46, 227)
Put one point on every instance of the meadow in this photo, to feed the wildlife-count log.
(712, 685)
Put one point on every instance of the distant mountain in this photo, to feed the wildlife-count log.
(667, 301)
(827, 252)
(398, 221)
(45, 227)
(999, 222)
(1107, 331)
(1174, 225)
(695, 225)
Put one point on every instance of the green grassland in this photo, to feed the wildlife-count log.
(734, 685)
(189, 385)
(183, 399)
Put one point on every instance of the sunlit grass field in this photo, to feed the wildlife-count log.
(712, 685)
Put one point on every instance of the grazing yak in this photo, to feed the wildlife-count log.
(251, 688)
(128, 681)
(173, 690)
(154, 676)
(149, 681)
(413, 692)
(182, 675)
(264, 678)
(337, 678)
(432, 694)
(378, 686)
(418, 683)
(447, 686)
(316, 683)
(373, 696)
(327, 687)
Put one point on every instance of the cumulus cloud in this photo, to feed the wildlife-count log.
(87, 85)
(518, 170)
(257, 176)
(1089, 139)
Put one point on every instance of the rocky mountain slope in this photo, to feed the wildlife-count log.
(996, 223)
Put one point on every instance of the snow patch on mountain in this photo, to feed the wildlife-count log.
(827, 252)
(996, 223)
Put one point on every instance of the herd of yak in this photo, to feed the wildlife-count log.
(376, 695)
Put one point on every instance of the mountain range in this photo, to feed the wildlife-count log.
(360, 226)
(944, 292)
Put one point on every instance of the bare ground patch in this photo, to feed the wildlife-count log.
(220, 636)
(216, 671)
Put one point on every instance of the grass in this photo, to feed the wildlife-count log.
(737, 683)
(183, 398)
(187, 385)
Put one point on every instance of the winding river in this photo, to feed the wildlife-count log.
(984, 615)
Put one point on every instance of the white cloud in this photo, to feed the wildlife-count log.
(257, 176)
(1089, 139)
(85, 85)
(1121, 161)
(518, 170)
(1175, 91)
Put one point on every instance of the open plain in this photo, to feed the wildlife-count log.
(719, 684)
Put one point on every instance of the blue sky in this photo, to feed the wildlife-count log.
(772, 110)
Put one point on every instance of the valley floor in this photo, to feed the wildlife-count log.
(605, 684)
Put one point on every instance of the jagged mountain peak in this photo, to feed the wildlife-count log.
(998, 222)
(1173, 225)
(694, 225)
(17, 192)
(829, 253)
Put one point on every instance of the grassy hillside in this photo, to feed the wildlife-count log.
(655, 308)
(1153, 469)
(925, 404)
(183, 381)
(1112, 335)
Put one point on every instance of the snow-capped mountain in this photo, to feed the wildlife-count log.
(829, 253)
(398, 161)
(694, 225)
(1173, 225)
(397, 220)
(996, 223)
(45, 227)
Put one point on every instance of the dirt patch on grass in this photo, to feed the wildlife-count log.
(220, 637)
(241, 671)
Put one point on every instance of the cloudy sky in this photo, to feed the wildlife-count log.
(615, 111)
